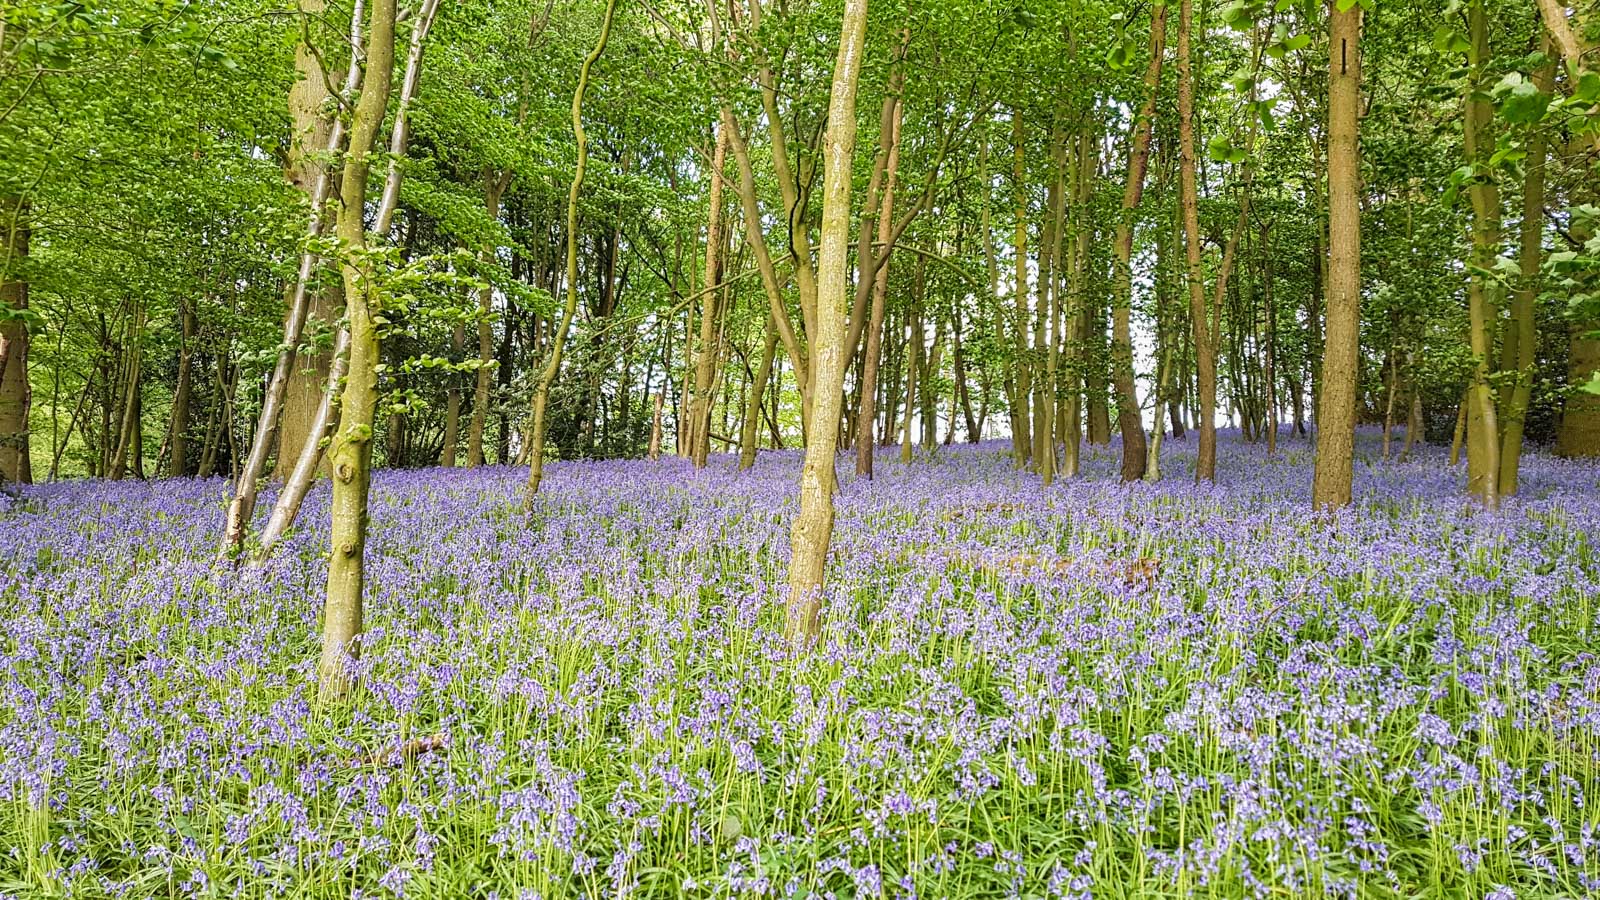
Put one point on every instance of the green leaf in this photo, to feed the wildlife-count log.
(1219, 148)
(1448, 40)
(1588, 90)
(1519, 100)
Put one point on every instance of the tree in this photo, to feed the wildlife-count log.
(1336, 414)
(1129, 421)
(541, 396)
(15, 392)
(813, 526)
(350, 455)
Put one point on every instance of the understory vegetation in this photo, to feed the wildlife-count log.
(1093, 690)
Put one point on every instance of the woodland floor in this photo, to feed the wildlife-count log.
(1091, 689)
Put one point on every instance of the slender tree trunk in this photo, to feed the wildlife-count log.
(452, 402)
(914, 348)
(1045, 333)
(1077, 288)
(872, 356)
(287, 507)
(1022, 354)
(178, 436)
(1199, 317)
(705, 359)
(15, 393)
(541, 395)
(494, 188)
(298, 484)
(1413, 419)
(1336, 416)
(1391, 390)
(132, 383)
(1574, 49)
(1460, 433)
(350, 455)
(1483, 430)
(1521, 339)
(655, 428)
(1129, 421)
(1270, 325)
(758, 389)
(813, 526)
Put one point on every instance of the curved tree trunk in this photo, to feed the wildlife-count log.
(541, 394)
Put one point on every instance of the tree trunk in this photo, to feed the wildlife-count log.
(350, 455)
(493, 190)
(452, 402)
(1021, 353)
(1205, 353)
(655, 428)
(127, 430)
(914, 348)
(1087, 161)
(813, 526)
(1522, 337)
(298, 484)
(1129, 421)
(287, 507)
(541, 394)
(1044, 331)
(872, 356)
(1483, 431)
(758, 389)
(15, 393)
(705, 359)
(1269, 302)
(1336, 414)
(305, 167)
(298, 303)
(178, 436)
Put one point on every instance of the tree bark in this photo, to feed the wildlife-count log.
(813, 526)
(1021, 354)
(494, 188)
(1336, 414)
(872, 356)
(15, 393)
(706, 355)
(1129, 421)
(452, 402)
(750, 427)
(1199, 317)
(128, 427)
(541, 394)
(178, 437)
(1483, 431)
(305, 166)
(1522, 337)
(298, 302)
(350, 455)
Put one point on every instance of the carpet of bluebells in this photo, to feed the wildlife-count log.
(1090, 690)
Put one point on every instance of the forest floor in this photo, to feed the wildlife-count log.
(1156, 690)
